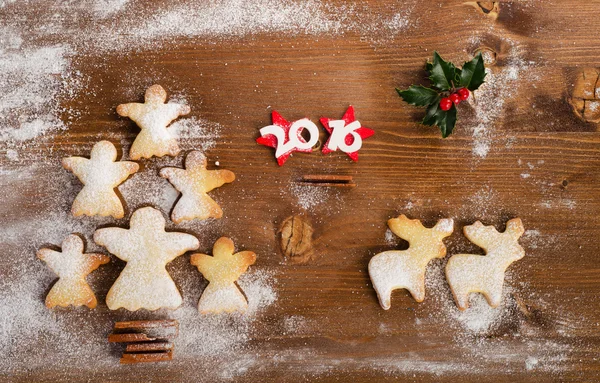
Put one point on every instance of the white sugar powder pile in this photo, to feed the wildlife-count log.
(31, 79)
(501, 85)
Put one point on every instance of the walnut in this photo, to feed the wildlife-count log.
(296, 239)
(489, 8)
(585, 98)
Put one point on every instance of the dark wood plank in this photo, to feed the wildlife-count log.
(535, 160)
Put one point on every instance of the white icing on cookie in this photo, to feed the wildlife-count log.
(471, 273)
(338, 136)
(153, 117)
(293, 139)
(405, 269)
(147, 248)
(100, 175)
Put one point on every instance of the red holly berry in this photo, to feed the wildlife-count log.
(463, 93)
(455, 98)
(445, 103)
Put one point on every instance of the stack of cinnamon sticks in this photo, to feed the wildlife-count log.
(147, 341)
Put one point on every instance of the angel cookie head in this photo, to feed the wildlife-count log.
(153, 117)
(472, 273)
(72, 266)
(194, 182)
(100, 175)
(147, 248)
(222, 270)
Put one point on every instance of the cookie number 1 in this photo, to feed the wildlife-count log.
(294, 139)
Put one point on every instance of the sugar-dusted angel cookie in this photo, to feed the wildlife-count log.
(472, 273)
(72, 266)
(194, 182)
(153, 117)
(147, 248)
(222, 270)
(405, 269)
(100, 175)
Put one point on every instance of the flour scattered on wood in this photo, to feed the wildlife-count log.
(309, 197)
(214, 335)
(489, 102)
(32, 79)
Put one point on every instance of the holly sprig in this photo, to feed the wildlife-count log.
(449, 87)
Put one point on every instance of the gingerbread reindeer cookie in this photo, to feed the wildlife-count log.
(395, 269)
(147, 248)
(222, 270)
(100, 175)
(72, 266)
(471, 273)
(153, 117)
(194, 182)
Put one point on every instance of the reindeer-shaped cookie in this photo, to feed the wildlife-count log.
(395, 269)
(222, 270)
(470, 273)
(152, 117)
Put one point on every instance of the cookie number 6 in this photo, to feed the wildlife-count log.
(340, 132)
(295, 140)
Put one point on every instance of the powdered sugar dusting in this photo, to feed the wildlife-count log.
(31, 78)
(501, 84)
(308, 197)
(214, 335)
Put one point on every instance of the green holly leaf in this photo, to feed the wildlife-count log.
(444, 120)
(473, 73)
(447, 121)
(431, 114)
(418, 95)
(443, 73)
(428, 67)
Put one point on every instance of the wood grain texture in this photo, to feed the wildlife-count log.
(542, 166)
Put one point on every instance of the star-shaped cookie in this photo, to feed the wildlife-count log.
(147, 248)
(100, 175)
(361, 131)
(273, 141)
(194, 182)
(153, 117)
(72, 266)
(222, 270)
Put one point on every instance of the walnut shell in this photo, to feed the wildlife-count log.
(296, 239)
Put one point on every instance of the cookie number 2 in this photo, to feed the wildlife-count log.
(294, 139)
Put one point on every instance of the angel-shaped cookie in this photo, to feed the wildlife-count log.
(405, 269)
(194, 182)
(153, 117)
(472, 273)
(147, 248)
(222, 270)
(72, 266)
(100, 175)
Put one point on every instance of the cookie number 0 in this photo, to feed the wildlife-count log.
(294, 138)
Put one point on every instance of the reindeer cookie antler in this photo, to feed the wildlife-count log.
(395, 269)
(470, 273)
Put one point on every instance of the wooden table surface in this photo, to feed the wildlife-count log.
(320, 320)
